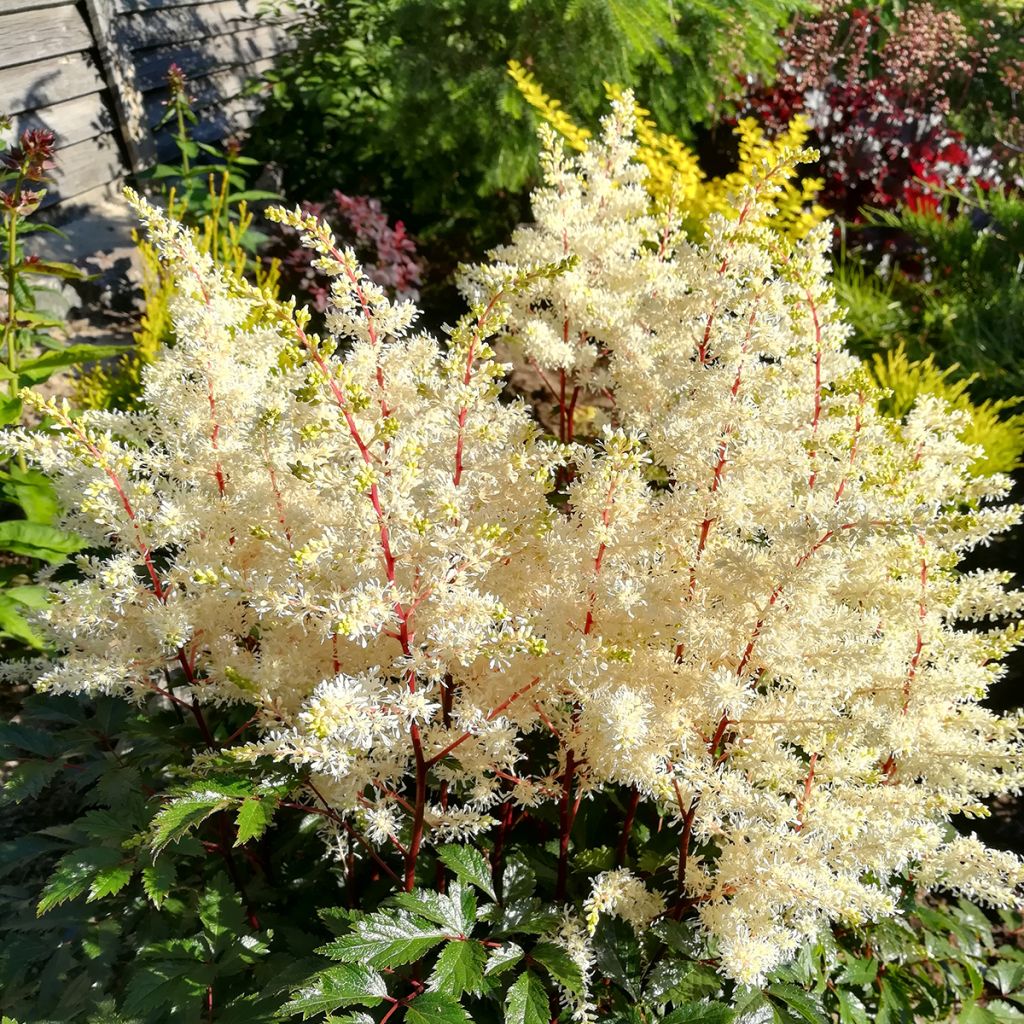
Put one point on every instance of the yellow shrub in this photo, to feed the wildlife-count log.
(675, 178)
(905, 380)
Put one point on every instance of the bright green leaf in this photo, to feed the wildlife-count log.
(37, 540)
(180, 816)
(802, 1005)
(74, 872)
(527, 1001)
(501, 958)
(459, 968)
(434, 1008)
(559, 965)
(701, 1013)
(469, 865)
(254, 815)
(343, 985)
(110, 881)
(385, 939)
(157, 880)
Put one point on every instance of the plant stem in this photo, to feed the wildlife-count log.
(565, 818)
(627, 826)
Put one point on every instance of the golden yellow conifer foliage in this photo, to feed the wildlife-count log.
(675, 178)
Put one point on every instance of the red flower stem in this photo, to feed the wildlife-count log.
(808, 783)
(627, 826)
(565, 826)
(503, 706)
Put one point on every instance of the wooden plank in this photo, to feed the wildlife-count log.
(122, 78)
(253, 7)
(230, 118)
(216, 87)
(29, 36)
(48, 82)
(15, 6)
(179, 24)
(75, 121)
(210, 54)
(84, 166)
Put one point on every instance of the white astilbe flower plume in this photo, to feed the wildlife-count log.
(731, 584)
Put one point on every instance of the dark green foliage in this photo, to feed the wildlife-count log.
(410, 101)
(158, 887)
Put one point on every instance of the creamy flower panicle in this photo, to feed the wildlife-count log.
(730, 584)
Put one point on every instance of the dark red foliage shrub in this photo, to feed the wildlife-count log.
(880, 104)
(388, 254)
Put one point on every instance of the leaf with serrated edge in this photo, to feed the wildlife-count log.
(459, 968)
(110, 881)
(344, 985)
(434, 1008)
(157, 880)
(454, 910)
(503, 957)
(559, 965)
(701, 1013)
(385, 939)
(180, 816)
(804, 1006)
(527, 1001)
(469, 865)
(254, 815)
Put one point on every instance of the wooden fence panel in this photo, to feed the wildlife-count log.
(94, 72)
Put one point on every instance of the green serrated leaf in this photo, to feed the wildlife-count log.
(701, 1013)
(109, 881)
(434, 1008)
(801, 1005)
(180, 816)
(385, 939)
(753, 1007)
(343, 985)
(73, 875)
(29, 779)
(502, 957)
(157, 880)
(851, 1009)
(527, 1001)
(459, 968)
(859, 971)
(454, 910)
(681, 981)
(559, 965)
(21, 737)
(254, 815)
(617, 953)
(469, 866)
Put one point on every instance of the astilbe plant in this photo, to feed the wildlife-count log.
(732, 603)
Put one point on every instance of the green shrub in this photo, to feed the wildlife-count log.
(952, 287)
(410, 101)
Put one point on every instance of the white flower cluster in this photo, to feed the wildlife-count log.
(738, 598)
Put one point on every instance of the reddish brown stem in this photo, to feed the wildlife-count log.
(565, 820)
(627, 826)
(419, 810)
